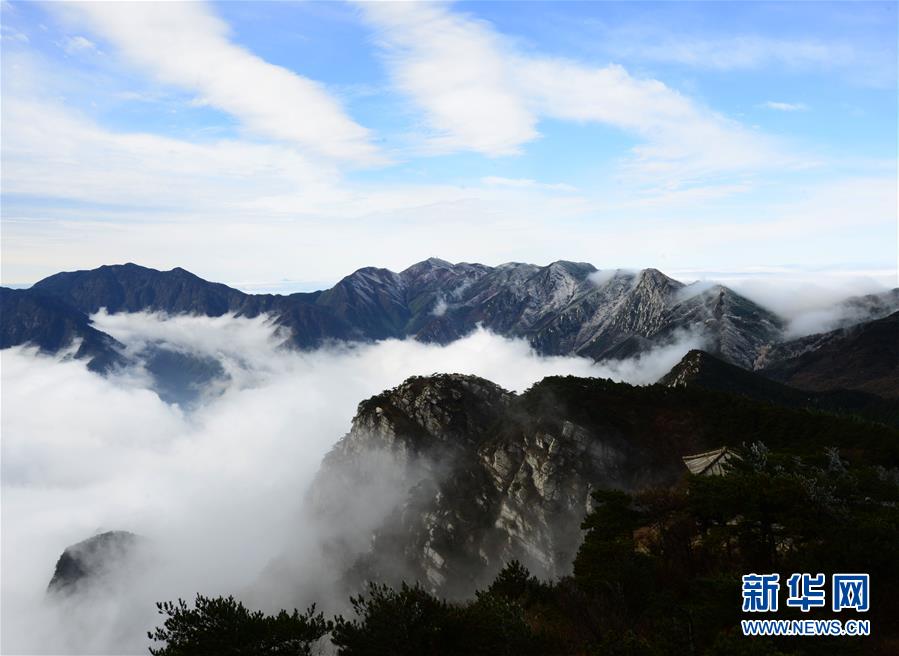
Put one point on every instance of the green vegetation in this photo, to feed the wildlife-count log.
(685, 418)
(413, 621)
(224, 626)
(663, 567)
(658, 573)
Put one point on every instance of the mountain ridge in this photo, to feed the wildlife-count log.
(563, 308)
(863, 357)
(700, 369)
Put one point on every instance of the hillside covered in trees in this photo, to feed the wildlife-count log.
(658, 573)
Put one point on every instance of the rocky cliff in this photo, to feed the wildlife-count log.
(445, 478)
(482, 476)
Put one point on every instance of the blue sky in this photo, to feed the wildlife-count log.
(275, 145)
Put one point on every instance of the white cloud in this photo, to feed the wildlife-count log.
(480, 93)
(868, 60)
(453, 67)
(11, 34)
(682, 141)
(526, 183)
(785, 106)
(796, 293)
(250, 212)
(233, 210)
(49, 151)
(254, 213)
(688, 197)
(734, 52)
(75, 44)
(186, 45)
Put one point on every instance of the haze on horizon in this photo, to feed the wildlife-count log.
(284, 145)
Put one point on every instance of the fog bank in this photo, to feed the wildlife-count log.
(218, 488)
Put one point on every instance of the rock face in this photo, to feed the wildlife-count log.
(480, 476)
(446, 478)
(94, 560)
(564, 308)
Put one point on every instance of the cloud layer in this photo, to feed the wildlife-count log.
(186, 45)
(219, 489)
(478, 92)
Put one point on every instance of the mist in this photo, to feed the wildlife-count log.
(217, 488)
(809, 303)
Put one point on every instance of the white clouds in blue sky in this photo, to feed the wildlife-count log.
(784, 106)
(184, 44)
(479, 93)
(261, 141)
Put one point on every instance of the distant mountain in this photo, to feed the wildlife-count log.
(564, 308)
(700, 369)
(445, 478)
(863, 357)
(133, 288)
(28, 316)
(571, 308)
(859, 309)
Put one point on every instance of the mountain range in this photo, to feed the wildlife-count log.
(471, 475)
(564, 308)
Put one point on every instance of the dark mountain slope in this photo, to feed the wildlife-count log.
(480, 476)
(864, 357)
(372, 301)
(859, 309)
(133, 288)
(30, 317)
(736, 328)
(701, 369)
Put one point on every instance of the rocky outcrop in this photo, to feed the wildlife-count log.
(98, 560)
(445, 478)
(477, 476)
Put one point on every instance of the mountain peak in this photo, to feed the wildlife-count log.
(578, 269)
(656, 279)
(434, 403)
(427, 266)
(561, 308)
(694, 366)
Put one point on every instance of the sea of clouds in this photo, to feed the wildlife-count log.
(219, 487)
